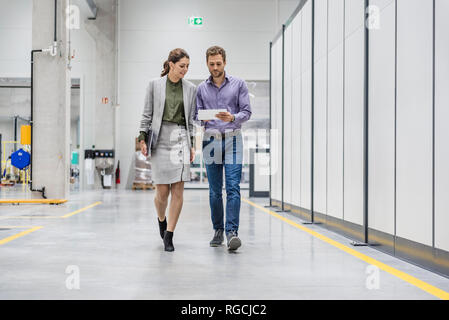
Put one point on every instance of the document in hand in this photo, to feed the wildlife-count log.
(209, 114)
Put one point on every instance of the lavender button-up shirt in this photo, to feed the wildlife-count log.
(232, 96)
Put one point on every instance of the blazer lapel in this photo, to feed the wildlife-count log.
(159, 103)
(163, 87)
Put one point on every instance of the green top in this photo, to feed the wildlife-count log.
(174, 103)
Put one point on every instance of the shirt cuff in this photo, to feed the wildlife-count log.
(237, 119)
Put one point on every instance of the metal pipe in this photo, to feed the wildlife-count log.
(271, 142)
(312, 126)
(366, 130)
(56, 20)
(15, 133)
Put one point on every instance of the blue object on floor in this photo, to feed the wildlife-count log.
(20, 159)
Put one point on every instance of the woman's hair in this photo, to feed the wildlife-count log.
(174, 56)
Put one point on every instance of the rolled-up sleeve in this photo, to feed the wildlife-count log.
(199, 106)
(244, 105)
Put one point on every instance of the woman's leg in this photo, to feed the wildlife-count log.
(161, 200)
(176, 201)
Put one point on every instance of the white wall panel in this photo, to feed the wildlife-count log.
(276, 121)
(382, 122)
(335, 134)
(354, 111)
(279, 118)
(272, 119)
(15, 38)
(414, 121)
(288, 115)
(273, 138)
(306, 105)
(306, 118)
(306, 38)
(320, 98)
(441, 126)
(149, 29)
(320, 29)
(320, 137)
(335, 110)
(354, 16)
(296, 111)
(336, 22)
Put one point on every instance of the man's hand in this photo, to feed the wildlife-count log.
(192, 154)
(143, 148)
(225, 116)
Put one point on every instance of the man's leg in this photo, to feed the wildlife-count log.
(233, 173)
(214, 168)
(215, 177)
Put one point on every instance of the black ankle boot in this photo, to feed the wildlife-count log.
(162, 227)
(168, 241)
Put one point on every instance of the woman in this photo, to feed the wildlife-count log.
(168, 119)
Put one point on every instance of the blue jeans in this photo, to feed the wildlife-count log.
(227, 154)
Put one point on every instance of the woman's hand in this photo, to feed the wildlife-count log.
(143, 148)
(192, 154)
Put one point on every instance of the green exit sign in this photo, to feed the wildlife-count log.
(196, 21)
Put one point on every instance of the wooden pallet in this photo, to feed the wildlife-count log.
(143, 186)
(7, 183)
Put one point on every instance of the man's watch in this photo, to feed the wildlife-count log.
(233, 118)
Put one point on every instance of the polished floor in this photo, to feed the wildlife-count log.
(106, 245)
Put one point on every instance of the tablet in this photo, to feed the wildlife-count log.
(209, 114)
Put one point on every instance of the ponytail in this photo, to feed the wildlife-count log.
(166, 69)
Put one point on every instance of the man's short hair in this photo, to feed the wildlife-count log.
(215, 50)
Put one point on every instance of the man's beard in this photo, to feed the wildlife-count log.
(216, 76)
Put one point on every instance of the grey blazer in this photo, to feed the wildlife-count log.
(153, 110)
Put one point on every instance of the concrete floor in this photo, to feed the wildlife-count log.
(119, 254)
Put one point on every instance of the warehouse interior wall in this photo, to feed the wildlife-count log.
(148, 30)
(385, 86)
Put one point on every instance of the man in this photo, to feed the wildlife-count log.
(222, 144)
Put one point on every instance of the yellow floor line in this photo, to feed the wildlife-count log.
(29, 217)
(16, 227)
(81, 210)
(401, 275)
(51, 217)
(33, 201)
(32, 229)
(18, 235)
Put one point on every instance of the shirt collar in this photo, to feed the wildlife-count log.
(227, 79)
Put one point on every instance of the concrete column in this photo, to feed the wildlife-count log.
(103, 31)
(51, 127)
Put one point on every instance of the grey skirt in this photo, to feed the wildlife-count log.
(170, 160)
